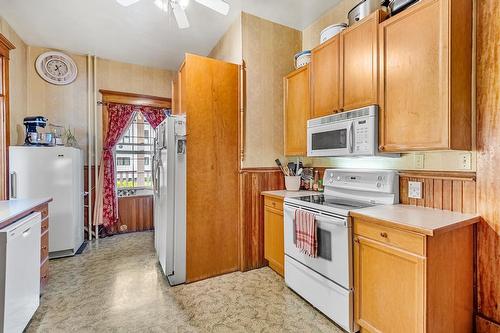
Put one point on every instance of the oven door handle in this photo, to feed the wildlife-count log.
(351, 137)
(329, 220)
(318, 217)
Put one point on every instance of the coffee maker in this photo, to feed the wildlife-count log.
(33, 138)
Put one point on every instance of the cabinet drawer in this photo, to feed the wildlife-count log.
(44, 274)
(44, 247)
(404, 240)
(45, 226)
(273, 202)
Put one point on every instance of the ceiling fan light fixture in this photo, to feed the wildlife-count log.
(126, 3)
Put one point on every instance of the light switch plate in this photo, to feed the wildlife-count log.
(415, 190)
(419, 161)
(465, 161)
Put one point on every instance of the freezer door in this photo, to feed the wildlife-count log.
(53, 172)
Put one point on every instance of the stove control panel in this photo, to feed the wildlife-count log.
(365, 180)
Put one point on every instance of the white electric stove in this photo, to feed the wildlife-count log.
(327, 280)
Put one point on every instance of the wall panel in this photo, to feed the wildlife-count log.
(252, 183)
(488, 161)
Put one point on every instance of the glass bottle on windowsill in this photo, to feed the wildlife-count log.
(316, 180)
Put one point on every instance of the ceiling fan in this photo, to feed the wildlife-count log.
(178, 8)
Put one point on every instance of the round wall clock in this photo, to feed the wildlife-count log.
(56, 68)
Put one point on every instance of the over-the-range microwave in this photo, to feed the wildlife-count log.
(351, 133)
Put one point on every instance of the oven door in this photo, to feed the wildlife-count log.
(332, 139)
(334, 246)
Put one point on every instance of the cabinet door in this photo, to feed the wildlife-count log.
(297, 111)
(359, 47)
(389, 288)
(274, 244)
(180, 105)
(325, 78)
(175, 96)
(414, 80)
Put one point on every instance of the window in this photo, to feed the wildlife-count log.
(134, 154)
(123, 161)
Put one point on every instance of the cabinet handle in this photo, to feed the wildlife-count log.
(383, 234)
(44, 248)
(356, 240)
(381, 148)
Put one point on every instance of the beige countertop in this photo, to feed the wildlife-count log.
(11, 209)
(427, 221)
(281, 194)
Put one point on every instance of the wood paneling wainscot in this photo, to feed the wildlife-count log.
(135, 213)
(252, 183)
(488, 161)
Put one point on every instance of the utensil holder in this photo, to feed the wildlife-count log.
(292, 183)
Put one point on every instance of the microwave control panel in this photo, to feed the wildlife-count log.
(364, 135)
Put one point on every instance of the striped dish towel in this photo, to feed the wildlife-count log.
(306, 239)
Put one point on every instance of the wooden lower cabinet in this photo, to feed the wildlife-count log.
(400, 289)
(274, 242)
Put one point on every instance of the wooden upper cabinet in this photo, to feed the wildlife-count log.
(359, 62)
(297, 111)
(325, 78)
(175, 96)
(426, 77)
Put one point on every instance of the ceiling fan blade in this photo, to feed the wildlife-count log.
(219, 6)
(126, 3)
(180, 16)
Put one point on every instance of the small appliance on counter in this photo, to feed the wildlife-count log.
(33, 136)
(365, 8)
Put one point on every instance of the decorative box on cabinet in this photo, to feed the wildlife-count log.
(297, 111)
(426, 77)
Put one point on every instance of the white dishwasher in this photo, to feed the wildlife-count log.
(19, 273)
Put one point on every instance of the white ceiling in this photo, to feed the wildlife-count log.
(142, 34)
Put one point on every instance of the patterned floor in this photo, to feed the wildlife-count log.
(116, 286)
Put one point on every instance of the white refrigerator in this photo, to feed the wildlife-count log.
(170, 198)
(55, 172)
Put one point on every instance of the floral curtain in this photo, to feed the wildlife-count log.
(119, 119)
(154, 116)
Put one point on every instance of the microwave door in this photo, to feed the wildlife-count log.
(335, 139)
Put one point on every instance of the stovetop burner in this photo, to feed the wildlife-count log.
(331, 201)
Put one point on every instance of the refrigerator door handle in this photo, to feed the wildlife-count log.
(13, 185)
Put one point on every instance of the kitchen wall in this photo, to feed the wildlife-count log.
(438, 161)
(18, 76)
(267, 48)
(67, 105)
(230, 47)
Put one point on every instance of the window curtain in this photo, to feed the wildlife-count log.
(119, 118)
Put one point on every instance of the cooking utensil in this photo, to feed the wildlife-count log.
(397, 6)
(363, 9)
(330, 31)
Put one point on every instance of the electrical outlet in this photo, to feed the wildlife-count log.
(465, 161)
(419, 161)
(415, 190)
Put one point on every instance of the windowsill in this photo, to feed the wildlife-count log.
(139, 192)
